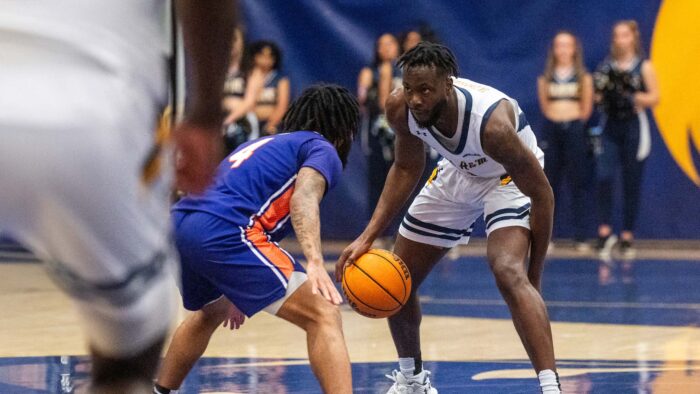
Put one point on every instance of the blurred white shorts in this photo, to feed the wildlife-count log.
(75, 136)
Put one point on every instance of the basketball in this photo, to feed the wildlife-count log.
(377, 284)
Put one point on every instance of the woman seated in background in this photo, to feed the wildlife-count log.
(265, 57)
(626, 87)
(241, 91)
(565, 92)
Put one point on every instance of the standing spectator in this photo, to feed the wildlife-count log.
(626, 87)
(272, 103)
(241, 91)
(412, 37)
(374, 85)
(565, 92)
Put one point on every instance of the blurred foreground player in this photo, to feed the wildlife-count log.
(491, 166)
(227, 238)
(83, 83)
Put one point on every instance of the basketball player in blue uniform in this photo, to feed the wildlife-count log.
(491, 166)
(227, 238)
(83, 85)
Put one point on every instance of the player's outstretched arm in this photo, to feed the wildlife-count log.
(501, 142)
(309, 188)
(402, 178)
(207, 27)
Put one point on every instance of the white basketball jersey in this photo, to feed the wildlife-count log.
(476, 102)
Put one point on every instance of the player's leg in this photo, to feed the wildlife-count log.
(508, 245)
(320, 319)
(507, 251)
(420, 258)
(194, 231)
(433, 225)
(189, 343)
(125, 375)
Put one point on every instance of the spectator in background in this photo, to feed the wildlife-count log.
(626, 87)
(272, 102)
(412, 37)
(565, 92)
(409, 40)
(374, 85)
(241, 91)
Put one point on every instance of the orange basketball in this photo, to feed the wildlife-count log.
(377, 284)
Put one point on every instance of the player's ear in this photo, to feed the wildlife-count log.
(448, 85)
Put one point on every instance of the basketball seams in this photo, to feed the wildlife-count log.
(403, 282)
(356, 298)
(379, 284)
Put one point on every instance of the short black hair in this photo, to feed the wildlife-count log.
(428, 54)
(329, 110)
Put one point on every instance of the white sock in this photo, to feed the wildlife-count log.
(549, 382)
(407, 366)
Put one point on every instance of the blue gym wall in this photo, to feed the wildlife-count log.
(500, 43)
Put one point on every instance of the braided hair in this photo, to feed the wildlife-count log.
(428, 54)
(329, 110)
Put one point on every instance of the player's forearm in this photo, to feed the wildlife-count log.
(399, 184)
(207, 27)
(541, 219)
(306, 220)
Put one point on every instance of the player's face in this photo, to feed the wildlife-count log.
(564, 48)
(426, 92)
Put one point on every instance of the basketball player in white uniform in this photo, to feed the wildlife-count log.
(491, 166)
(82, 85)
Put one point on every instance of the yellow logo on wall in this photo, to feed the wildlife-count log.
(675, 54)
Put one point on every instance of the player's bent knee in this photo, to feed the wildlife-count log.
(310, 311)
(509, 277)
(317, 312)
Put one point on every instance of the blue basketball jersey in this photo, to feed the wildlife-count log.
(254, 184)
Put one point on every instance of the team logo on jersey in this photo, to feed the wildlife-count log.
(472, 164)
(675, 53)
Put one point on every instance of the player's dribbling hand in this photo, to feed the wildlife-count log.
(235, 318)
(197, 153)
(351, 253)
(322, 283)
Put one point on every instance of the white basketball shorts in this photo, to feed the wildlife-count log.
(444, 212)
(75, 136)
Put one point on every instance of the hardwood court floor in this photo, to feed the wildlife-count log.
(619, 327)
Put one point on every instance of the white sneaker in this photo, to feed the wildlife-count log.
(417, 384)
